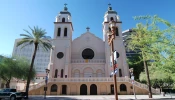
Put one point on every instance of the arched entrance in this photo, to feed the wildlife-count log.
(64, 89)
(53, 88)
(93, 89)
(83, 89)
(123, 87)
(112, 89)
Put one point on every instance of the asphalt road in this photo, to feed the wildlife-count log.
(101, 97)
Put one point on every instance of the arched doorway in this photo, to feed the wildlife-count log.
(123, 88)
(93, 89)
(83, 89)
(64, 89)
(53, 88)
(112, 89)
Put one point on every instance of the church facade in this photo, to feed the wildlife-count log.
(82, 66)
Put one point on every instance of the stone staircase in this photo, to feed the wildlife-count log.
(95, 79)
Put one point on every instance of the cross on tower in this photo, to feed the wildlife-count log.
(65, 4)
(109, 4)
(87, 29)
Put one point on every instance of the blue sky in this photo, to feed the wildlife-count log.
(16, 15)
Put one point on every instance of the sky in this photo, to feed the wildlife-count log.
(16, 15)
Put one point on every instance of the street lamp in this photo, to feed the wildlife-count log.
(111, 37)
(46, 80)
(132, 78)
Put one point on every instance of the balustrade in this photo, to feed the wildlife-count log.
(88, 61)
(94, 79)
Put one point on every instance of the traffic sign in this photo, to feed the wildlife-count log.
(115, 71)
(115, 66)
(132, 77)
(116, 55)
(112, 73)
(111, 61)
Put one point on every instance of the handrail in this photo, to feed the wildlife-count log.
(94, 79)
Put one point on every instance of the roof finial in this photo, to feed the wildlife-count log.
(65, 8)
(87, 29)
(109, 6)
(65, 4)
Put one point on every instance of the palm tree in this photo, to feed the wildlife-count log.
(37, 38)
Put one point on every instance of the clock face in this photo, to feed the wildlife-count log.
(60, 55)
(88, 53)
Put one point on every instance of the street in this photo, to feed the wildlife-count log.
(101, 97)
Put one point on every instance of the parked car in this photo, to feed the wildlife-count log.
(11, 94)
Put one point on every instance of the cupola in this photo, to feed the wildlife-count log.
(64, 16)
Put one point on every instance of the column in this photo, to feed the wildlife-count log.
(94, 75)
(81, 75)
(78, 89)
(66, 70)
(98, 88)
(88, 89)
(108, 88)
(67, 61)
(68, 89)
(59, 89)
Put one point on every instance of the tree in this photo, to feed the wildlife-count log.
(159, 78)
(37, 38)
(144, 38)
(137, 64)
(14, 67)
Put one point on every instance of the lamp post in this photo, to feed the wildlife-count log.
(46, 80)
(111, 37)
(132, 78)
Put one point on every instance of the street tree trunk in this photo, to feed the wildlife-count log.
(147, 74)
(7, 84)
(30, 71)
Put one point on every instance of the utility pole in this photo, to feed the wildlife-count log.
(111, 37)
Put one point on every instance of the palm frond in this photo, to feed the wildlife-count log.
(26, 36)
(46, 45)
(23, 41)
(28, 32)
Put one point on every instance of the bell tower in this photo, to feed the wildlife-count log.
(63, 25)
(111, 15)
(60, 58)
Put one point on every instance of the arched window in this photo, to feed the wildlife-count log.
(63, 19)
(117, 32)
(61, 73)
(53, 88)
(59, 32)
(112, 18)
(120, 73)
(56, 73)
(123, 87)
(65, 31)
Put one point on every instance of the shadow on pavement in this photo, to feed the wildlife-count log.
(54, 98)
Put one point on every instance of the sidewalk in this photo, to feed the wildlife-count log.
(100, 97)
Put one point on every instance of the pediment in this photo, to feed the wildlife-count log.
(87, 37)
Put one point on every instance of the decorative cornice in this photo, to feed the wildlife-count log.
(116, 22)
(65, 23)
